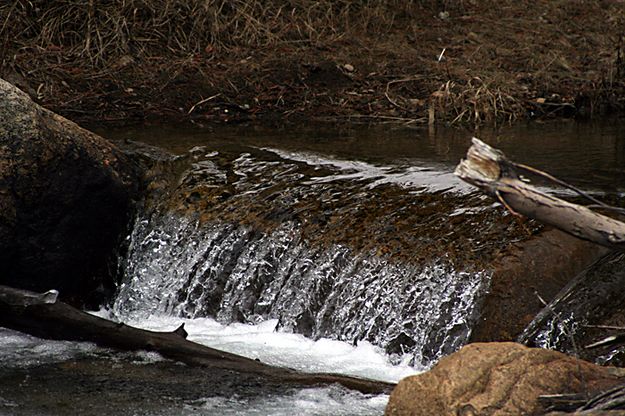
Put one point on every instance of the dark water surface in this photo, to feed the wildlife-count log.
(591, 155)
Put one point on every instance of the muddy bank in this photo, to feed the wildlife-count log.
(389, 61)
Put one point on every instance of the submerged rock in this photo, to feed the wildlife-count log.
(496, 379)
(65, 200)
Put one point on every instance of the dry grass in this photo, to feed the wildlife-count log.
(503, 61)
(475, 102)
(106, 30)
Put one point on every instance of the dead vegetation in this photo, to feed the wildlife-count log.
(413, 61)
(475, 101)
(97, 33)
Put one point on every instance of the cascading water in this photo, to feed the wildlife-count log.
(179, 267)
(197, 263)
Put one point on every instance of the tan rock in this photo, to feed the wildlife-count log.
(495, 379)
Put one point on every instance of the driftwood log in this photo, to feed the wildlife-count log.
(42, 315)
(489, 169)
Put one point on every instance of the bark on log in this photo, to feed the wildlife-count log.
(42, 315)
(489, 169)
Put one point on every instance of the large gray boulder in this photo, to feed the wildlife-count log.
(66, 197)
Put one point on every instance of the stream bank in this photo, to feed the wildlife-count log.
(410, 62)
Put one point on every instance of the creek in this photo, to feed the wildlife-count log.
(337, 249)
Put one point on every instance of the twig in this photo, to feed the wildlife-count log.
(406, 120)
(508, 207)
(205, 100)
(561, 182)
(397, 81)
(569, 334)
(393, 102)
(618, 328)
(611, 340)
(4, 24)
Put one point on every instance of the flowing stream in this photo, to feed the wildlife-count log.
(324, 249)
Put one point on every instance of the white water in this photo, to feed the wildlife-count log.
(178, 268)
(287, 350)
(306, 402)
(254, 341)
(284, 349)
(21, 350)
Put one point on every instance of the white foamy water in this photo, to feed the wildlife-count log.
(254, 341)
(284, 349)
(178, 267)
(22, 350)
(306, 402)
(287, 350)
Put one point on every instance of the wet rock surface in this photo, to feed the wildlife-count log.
(588, 309)
(338, 199)
(123, 384)
(330, 248)
(342, 249)
(349, 205)
(496, 379)
(66, 198)
(525, 275)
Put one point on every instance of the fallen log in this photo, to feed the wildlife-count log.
(489, 170)
(43, 316)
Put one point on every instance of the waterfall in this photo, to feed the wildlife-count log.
(181, 267)
(330, 248)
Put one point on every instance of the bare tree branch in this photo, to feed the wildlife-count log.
(488, 169)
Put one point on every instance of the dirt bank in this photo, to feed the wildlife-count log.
(466, 61)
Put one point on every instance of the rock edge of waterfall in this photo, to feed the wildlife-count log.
(66, 200)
